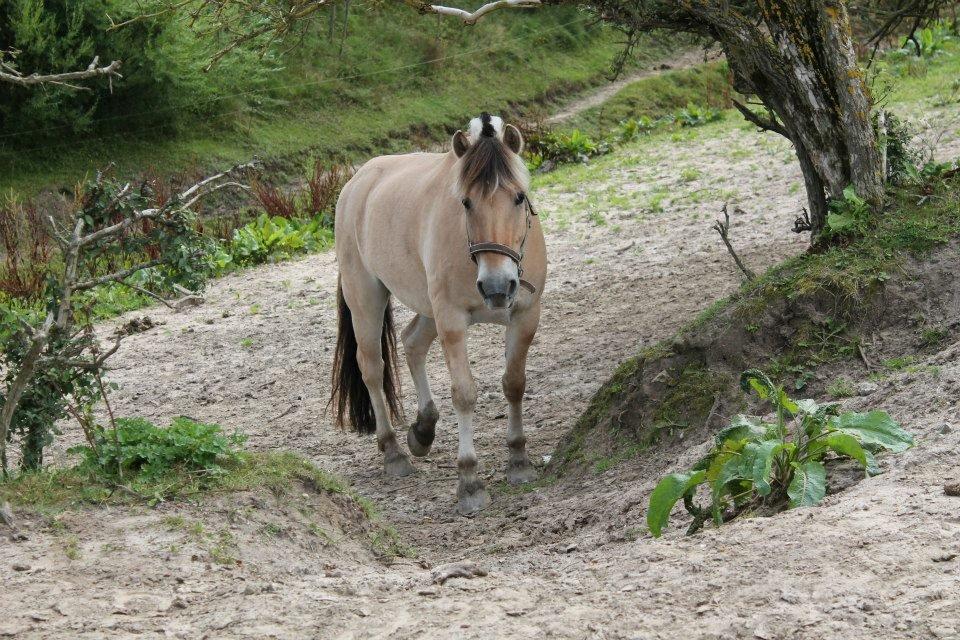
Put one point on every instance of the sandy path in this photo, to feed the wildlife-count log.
(632, 256)
(607, 91)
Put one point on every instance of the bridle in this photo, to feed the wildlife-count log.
(495, 247)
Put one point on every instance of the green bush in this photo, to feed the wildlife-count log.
(694, 115)
(275, 237)
(774, 465)
(561, 147)
(139, 452)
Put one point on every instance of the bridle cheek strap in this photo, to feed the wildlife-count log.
(502, 249)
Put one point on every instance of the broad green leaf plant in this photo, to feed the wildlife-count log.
(770, 466)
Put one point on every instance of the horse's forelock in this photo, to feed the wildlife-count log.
(489, 165)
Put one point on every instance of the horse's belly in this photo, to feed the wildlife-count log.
(414, 299)
(407, 285)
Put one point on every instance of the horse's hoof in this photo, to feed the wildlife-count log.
(398, 466)
(470, 503)
(416, 447)
(521, 472)
(421, 433)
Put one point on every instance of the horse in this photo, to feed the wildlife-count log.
(454, 238)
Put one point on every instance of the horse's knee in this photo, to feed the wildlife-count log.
(514, 384)
(464, 395)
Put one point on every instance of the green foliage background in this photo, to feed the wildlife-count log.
(386, 75)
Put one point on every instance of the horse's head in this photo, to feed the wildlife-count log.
(492, 186)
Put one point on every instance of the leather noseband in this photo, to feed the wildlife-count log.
(502, 249)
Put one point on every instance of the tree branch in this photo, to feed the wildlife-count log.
(38, 341)
(469, 17)
(116, 276)
(767, 124)
(95, 70)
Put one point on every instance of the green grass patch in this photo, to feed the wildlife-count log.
(657, 96)
(400, 77)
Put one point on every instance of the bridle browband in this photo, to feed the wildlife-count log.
(495, 247)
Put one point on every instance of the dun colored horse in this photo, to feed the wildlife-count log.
(453, 236)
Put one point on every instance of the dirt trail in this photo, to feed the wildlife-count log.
(607, 91)
(632, 257)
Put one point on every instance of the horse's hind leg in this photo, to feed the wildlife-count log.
(368, 300)
(417, 338)
(519, 336)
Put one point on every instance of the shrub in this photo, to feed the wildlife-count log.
(903, 156)
(563, 147)
(50, 359)
(137, 451)
(317, 197)
(694, 116)
(776, 465)
(275, 201)
(848, 216)
(276, 237)
(929, 41)
(633, 128)
(323, 189)
(27, 250)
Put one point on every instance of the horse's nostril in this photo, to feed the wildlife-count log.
(480, 289)
(513, 288)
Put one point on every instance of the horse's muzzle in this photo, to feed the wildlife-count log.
(498, 292)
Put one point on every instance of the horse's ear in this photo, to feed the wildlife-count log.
(460, 143)
(513, 139)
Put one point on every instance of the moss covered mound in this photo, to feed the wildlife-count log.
(868, 304)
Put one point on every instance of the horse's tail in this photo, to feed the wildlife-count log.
(349, 395)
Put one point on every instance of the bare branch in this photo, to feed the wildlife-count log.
(94, 70)
(723, 228)
(188, 195)
(147, 292)
(767, 124)
(38, 342)
(117, 276)
(94, 364)
(469, 17)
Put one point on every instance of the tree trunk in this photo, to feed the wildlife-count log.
(816, 196)
(809, 78)
(797, 57)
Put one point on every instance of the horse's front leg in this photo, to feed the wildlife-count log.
(520, 334)
(472, 496)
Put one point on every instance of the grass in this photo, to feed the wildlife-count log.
(656, 96)
(386, 89)
(841, 388)
(59, 488)
(54, 490)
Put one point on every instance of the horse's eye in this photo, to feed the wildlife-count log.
(467, 204)
(520, 198)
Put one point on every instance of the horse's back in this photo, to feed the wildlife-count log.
(381, 217)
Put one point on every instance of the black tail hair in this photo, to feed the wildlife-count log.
(349, 395)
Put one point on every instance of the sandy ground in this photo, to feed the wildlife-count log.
(567, 560)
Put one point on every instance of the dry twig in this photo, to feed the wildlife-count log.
(723, 228)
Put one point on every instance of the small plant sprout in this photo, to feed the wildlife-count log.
(766, 467)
